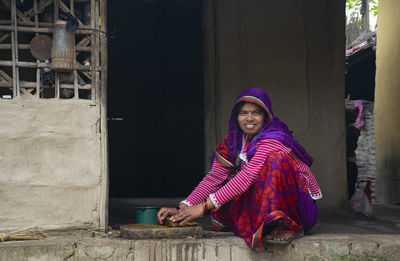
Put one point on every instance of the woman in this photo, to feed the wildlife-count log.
(260, 183)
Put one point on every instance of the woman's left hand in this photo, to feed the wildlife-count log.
(164, 213)
(188, 214)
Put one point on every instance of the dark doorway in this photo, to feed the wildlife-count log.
(155, 97)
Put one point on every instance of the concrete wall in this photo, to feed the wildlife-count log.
(50, 162)
(295, 51)
(387, 106)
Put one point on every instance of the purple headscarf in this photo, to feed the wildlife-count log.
(272, 129)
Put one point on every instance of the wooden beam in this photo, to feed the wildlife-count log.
(27, 92)
(72, 6)
(81, 81)
(40, 8)
(43, 30)
(48, 30)
(5, 76)
(41, 24)
(28, 46)
(32, 85)
(24, 18)
(84, 42)
(13, 7)
(65, 9)
(47, 65)
(4, 36)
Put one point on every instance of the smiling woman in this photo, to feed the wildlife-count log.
(250, 118)
(260, 184)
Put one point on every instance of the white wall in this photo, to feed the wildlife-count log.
(50, 163)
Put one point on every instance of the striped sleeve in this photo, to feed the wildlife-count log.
(210, 183)
(248, 175)
(313, 188)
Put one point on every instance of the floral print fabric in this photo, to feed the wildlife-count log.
(279, 193)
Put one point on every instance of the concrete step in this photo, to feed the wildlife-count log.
(339, 235)
(214, 246)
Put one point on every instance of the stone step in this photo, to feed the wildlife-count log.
(214, 246)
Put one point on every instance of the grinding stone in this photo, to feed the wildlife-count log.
(141, 231)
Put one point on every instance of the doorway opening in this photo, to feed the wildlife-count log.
(155, 98)
(361, 38)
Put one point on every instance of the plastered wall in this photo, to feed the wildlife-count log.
(387, 106)
(295, 51)
(50, 164)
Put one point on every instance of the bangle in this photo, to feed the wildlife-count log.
(178, 209)
(205, 207)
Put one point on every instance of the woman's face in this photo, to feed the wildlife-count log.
(251, 119)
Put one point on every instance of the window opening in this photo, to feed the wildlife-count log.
(27, 44)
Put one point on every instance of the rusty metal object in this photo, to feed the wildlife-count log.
(147, 231)
(63, 50)
(41, 47)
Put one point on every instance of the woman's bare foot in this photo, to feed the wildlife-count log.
(281, 235)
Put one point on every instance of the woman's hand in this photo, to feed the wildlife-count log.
(164, 213)
(182, 206)
(188, 213)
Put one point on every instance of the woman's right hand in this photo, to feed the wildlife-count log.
(182, 206)
(164, 213)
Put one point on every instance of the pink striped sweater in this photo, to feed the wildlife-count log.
(213, 184)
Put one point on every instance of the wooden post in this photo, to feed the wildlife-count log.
(37, 61)
(93, 48)
(56, 4)
(14, 43)
(57, 86)
(76, 90)
(71, 6)
(103, 117)
(97, 51)
(57, 79)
